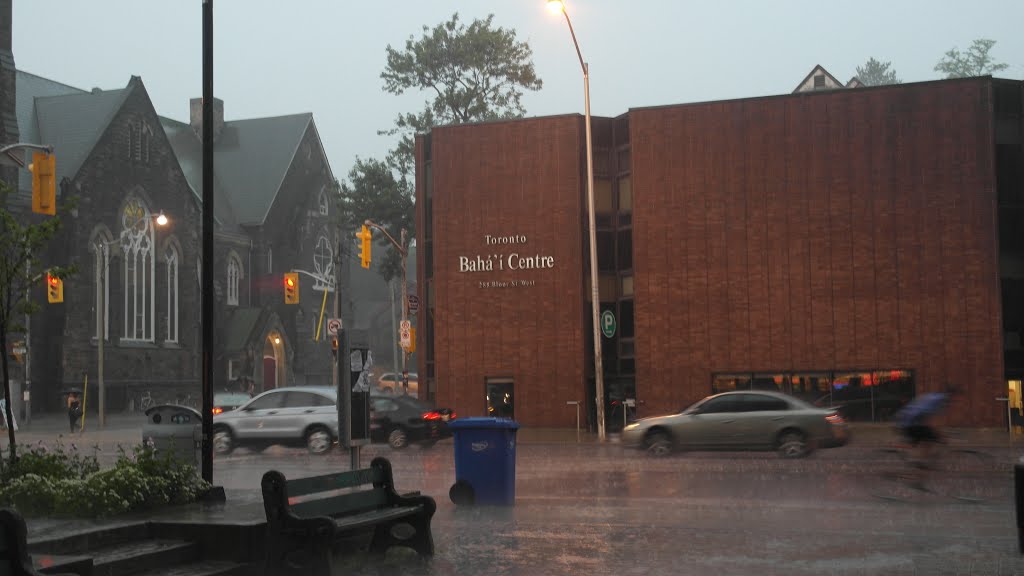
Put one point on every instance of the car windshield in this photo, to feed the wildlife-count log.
(233, 399)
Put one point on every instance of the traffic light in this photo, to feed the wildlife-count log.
(44, 183)
(291, 288)
(365, 236)
(54, 289)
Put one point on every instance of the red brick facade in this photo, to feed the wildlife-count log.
(846, 230)
(854, 229)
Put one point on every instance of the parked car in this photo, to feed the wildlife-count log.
(747, 420)
(226, 401)
(391, 383)
(300, 415)
(403, 420)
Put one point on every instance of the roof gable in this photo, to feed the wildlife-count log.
(251, 159)
(827, 81)
(73, 124)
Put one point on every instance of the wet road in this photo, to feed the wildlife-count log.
(592, 509)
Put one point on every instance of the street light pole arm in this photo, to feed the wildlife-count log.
(372, 224)
(575, 43)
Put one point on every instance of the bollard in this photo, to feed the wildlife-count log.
(1018, 485)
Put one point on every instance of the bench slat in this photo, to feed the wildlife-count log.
(374, 517)
(328, 482)
(341, 504)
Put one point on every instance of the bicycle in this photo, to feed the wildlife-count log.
(952, 472)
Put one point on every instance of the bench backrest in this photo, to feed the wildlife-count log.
(348, 502)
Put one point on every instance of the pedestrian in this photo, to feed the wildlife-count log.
(74, 409)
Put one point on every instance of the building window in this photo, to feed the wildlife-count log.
(323, 203)
(819, 81)
(171, 256)
(137, 248)
(234, 279)
(270, 260)
(131, 141)
(323, 262)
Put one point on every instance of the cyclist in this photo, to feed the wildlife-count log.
(916, 423)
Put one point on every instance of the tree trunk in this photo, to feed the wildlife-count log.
(9, 408)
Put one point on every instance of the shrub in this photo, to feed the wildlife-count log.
(52, 482)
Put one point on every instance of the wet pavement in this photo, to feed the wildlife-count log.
(601, 509)
(593, 509)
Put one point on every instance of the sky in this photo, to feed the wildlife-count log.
(326, 56)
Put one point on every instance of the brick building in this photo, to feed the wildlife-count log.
(853, 247)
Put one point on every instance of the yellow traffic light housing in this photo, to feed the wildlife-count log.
(365, 236)
(54, 289)
(44, 183)
(291, 288)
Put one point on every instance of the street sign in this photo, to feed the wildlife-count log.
(405, 325)
(608, 323)
(405, 337)
(414, 303)
(333, 325)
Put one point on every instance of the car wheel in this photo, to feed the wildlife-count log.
(223, 441)
(319, 440)
(398, 439)
(793, 444)
(659, 444)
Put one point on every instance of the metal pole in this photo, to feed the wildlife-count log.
(207, 268)
(394, 331)
(26, 392)
(595, 296)
(405, 313)
(100, 314)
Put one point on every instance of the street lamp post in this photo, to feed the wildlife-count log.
(101, 312)
(404, 291)
(595, 296)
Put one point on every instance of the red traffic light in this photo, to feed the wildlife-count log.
(54, 281)
(289, 282)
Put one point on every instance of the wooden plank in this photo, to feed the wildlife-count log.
(328, 482)
(351, 502)
(374, 517)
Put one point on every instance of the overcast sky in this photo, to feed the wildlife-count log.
(325, 56)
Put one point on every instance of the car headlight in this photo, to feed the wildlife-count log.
(632, 426)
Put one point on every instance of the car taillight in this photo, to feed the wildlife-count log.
(217, 410)
(451, 416)
(435, 415)
(834, 419)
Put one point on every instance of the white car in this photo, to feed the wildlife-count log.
(300, 415)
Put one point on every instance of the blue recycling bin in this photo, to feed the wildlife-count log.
(485, 461)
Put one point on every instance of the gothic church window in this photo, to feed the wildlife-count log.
(171, 256)
(323, 262)
(234, 276)
(137, 237)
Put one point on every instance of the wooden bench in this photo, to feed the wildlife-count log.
(14, 559)
(306, 515)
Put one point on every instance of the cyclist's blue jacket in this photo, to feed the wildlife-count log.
(922, 407)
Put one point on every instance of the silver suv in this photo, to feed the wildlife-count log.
(292, 416)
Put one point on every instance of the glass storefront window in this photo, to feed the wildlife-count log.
(815, 388)
(769, 382)
(500, 401)
(627, 285)
(729, 382)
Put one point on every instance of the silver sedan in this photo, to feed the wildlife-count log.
(748, 420)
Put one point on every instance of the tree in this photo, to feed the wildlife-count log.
(21, 268)
(875, 73)
(476, 73)
(975, 62)
(372, 192)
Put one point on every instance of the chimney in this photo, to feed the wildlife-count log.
(196, 117)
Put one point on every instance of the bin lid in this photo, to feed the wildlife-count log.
(484, 422)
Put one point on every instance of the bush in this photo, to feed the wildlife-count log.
(54, 483)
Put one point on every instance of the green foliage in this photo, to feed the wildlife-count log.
(976, 61)
(372, 192)
(58, 483)
(23, 239)
(476, 72)
(875, 73)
